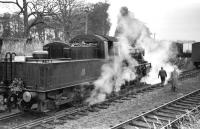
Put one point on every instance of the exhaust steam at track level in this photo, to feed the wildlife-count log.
(131, 34)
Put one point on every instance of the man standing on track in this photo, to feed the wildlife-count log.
(174, 79)
(162, 73)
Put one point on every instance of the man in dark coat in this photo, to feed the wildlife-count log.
(162, 73)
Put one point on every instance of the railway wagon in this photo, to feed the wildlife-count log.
(196, 54)
(184, 50)
(62, 73)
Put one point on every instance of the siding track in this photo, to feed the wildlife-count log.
(164, 116)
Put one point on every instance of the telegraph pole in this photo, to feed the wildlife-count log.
(86, 23)
(86, 19)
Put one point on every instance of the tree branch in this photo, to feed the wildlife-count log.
(12, 2)
(32, 13)
(7, 2)
(35, 22)
(17, 3)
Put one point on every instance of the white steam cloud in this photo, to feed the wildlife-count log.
(158, 54)
(131, 34)
(121, 67)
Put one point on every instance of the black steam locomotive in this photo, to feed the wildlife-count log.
(60, 74)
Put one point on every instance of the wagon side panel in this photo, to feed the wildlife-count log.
(67, 74)
(196, 52)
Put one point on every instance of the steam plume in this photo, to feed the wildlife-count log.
(158, 54)
(121, 66)
(131, 34)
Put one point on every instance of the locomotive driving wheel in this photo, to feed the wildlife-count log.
(10, 101)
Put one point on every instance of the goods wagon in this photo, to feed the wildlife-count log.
(184, 49)
(196, 54)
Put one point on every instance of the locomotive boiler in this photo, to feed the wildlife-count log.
(61, 73)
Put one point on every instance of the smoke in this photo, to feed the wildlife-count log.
(115, 73)
(120, 67)
(131, 34)
(158, 54)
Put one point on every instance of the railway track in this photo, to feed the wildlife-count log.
(15, 119)
(188, 74)
(23, 121)
(73, 113)
(164, 116)
(9, 116)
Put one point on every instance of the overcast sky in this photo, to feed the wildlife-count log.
(168, 19)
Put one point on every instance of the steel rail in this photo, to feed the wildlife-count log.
(121, 125)
(67, 112)
(8, 116)
(181, 117)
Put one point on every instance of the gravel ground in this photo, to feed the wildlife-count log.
(192, 121)
(118, 112)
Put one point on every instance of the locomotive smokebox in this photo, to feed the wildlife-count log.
(28, 96)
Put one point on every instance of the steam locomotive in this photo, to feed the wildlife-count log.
(60, 74)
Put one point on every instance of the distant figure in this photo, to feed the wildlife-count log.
(162, 73)
(174, 79)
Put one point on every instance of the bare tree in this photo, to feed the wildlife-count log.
(6, 25)
(64, 13)
(34, 10)
(16, 26)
